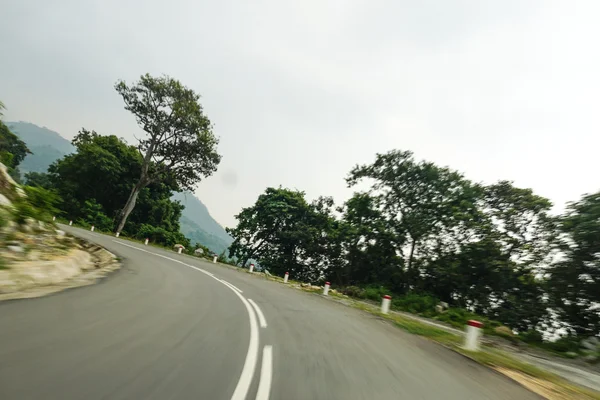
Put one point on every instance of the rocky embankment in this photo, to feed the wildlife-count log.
(36, 258)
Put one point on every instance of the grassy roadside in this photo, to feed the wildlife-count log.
(535, 379)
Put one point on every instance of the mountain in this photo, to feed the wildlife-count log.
(47, 146)
(199, 226)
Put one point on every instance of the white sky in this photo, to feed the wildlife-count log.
(300, 91)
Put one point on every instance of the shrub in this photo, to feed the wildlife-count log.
(353, 291)
(416, 304)
(43, 199)
(375, 293)
(162, 236)
(94, 215)
(532, 336)
(563, 345)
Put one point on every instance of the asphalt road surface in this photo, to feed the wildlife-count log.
(169, 326)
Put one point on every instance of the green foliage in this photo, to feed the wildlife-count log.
(93, 214)
(96, 180)
(416, 303)
(574, 282)
(38, 179)
(46, 201)
(564, 344)
(161, 236)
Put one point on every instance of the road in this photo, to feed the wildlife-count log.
(169, 326)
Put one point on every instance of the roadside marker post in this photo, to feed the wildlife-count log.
(251, 268)
(118, 233)
(215, 259)
(146, 242)
(92, 228)
(326, 288)
(53, 218)
(474, 329)
(71, 223)
(285, 277)
(385, 304)
(179, 250)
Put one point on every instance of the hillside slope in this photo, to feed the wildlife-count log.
(46, 145)
(199, 226)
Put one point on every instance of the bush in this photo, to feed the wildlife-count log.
(162, 236)
(375, 293)
(44, 200)
(39, 204)
(94, 215)
(532, 336)
(416, 304)
(353, 291)
(563, 345)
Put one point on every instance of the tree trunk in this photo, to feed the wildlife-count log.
(410, 256)
(130, 205)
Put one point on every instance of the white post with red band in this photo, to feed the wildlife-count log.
(117, 234)
(215, 259)
(70, 222)
(326, 288)
(474, 329)
(285, 277)
(92, 228)
(385, 304)
(53, 218)
(179, 250)
(251, 268)
(146, 242)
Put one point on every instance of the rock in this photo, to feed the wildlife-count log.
(10, 227)
(571, 354)
(444, 305)
(16, 249)
(198, 252)
(4, 201)
(178, 246)
(60, 234)
(439, 309)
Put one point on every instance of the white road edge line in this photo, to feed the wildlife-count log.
(231, 285)
(261, 316)
(266, 374)
(243, 385)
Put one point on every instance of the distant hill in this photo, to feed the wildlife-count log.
(47, 146)
(199, 226)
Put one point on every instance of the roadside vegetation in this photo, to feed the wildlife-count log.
(443, 247)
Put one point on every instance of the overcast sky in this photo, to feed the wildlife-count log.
(300, 91)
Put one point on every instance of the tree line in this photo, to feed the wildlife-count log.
(426, 232)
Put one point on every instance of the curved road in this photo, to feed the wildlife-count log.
(168, 326)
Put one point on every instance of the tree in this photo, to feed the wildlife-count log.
(102, 170)
(38, 179)
(180, 146)
(418, 200)
(284, 233)
(574, 279)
